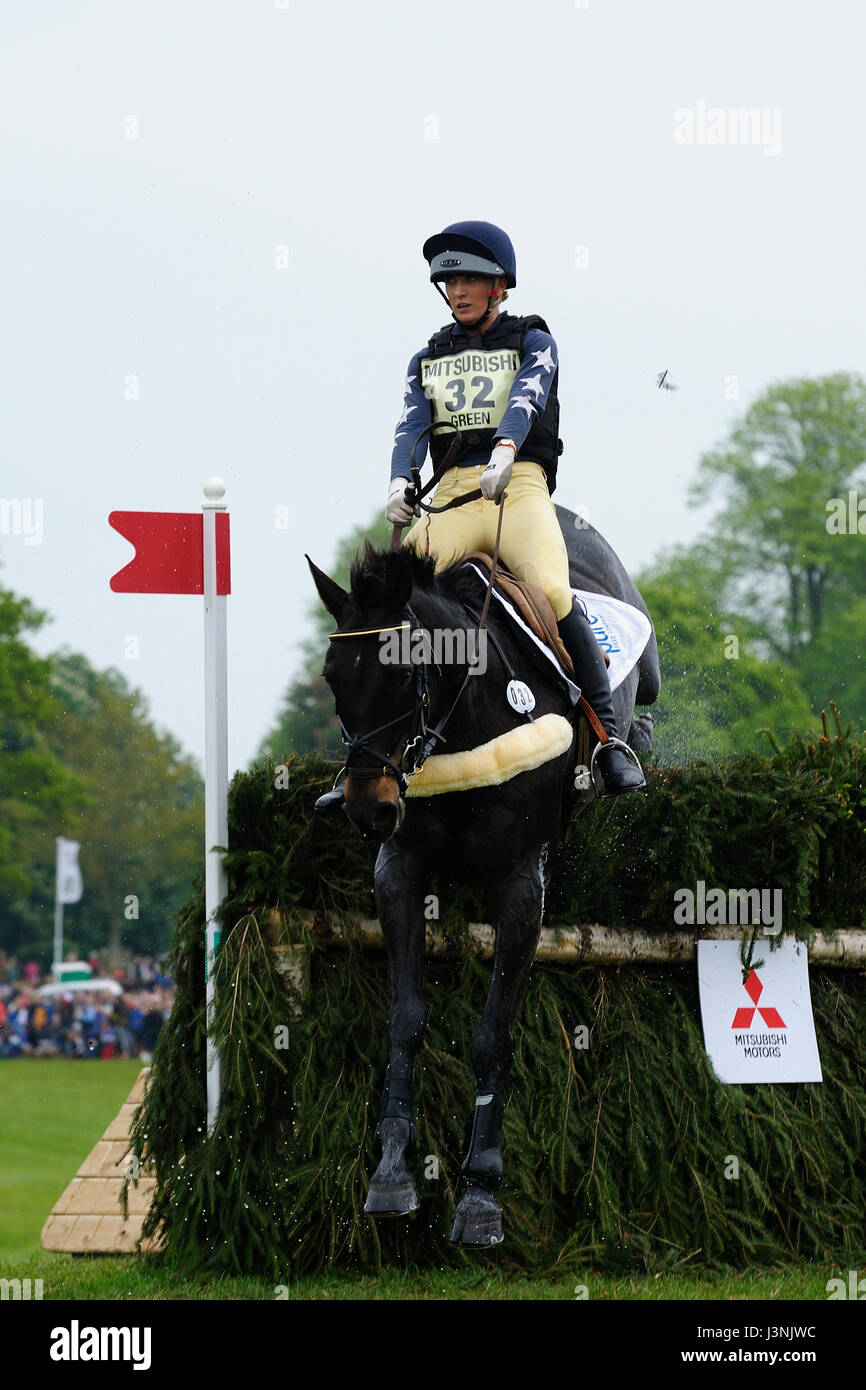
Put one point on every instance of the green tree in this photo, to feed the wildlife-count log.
(719, 691)
(139, 818)
(143, 839)
(798, 447)
(833, 667)
(306, 719)
(37, 793)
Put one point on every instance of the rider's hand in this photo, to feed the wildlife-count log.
(497, 474)
(397, 509)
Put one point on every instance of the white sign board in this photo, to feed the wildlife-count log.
(762, 1030)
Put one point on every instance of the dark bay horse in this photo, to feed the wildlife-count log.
(496, 835)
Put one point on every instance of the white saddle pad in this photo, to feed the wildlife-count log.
(620, 630)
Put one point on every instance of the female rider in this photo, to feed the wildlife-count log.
(494, 377)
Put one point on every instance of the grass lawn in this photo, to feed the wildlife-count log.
(68, 1277)
(52, 1112)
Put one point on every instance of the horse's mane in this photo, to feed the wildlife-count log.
(374, 568)
(376, 573)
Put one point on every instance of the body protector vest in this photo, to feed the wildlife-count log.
(468, 382)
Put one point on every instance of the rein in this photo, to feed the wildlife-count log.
(419, 491)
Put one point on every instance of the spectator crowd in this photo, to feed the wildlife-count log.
(83, 1022)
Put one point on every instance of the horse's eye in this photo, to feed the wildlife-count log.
(401, 677)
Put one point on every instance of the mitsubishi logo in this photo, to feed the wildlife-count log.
(743, 1017)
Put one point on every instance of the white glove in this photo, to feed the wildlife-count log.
(397, 509)
(497, 474)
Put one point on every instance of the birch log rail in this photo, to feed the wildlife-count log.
(589, 943)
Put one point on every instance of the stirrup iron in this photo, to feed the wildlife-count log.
(597, 779)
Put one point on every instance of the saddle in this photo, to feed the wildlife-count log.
(532, 604)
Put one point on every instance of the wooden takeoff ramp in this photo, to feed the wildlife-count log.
(87, 1218)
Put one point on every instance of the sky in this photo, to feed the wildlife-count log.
(211, 218)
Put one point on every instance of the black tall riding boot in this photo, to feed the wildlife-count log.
(618, 771)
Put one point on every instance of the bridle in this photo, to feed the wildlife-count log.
(421, 737)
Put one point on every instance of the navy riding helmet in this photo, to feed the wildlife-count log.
(471, 248)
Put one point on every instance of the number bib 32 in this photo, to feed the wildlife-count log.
(470, 391)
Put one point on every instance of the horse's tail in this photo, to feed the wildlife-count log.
(648, 673)
(640, 735)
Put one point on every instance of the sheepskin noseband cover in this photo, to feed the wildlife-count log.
(518, 750)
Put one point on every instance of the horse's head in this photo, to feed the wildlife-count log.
(378, 691)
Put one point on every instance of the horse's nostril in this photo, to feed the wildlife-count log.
(384, 821)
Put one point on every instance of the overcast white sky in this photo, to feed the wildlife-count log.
(156, 154)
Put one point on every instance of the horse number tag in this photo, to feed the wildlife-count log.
(520, 697)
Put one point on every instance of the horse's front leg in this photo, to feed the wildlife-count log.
(517, 904)
(400, 885)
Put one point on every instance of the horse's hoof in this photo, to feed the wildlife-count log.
(478, 1220)
(391, 1199)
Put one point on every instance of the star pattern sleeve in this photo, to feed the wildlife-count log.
(414, 418)
(531, 387)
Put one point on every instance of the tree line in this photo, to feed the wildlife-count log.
(79, 757)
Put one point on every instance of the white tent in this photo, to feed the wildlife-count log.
(101, 986)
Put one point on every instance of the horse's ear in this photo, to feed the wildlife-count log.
(398, 577)
(333, 597)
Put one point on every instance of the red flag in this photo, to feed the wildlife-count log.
(169, 553)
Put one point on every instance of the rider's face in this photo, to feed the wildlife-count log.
(468, 295)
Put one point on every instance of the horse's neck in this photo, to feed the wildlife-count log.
(437, 613)
(472, 718)
(434, 610)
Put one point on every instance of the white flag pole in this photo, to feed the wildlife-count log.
(58, 911)
(215, 771)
